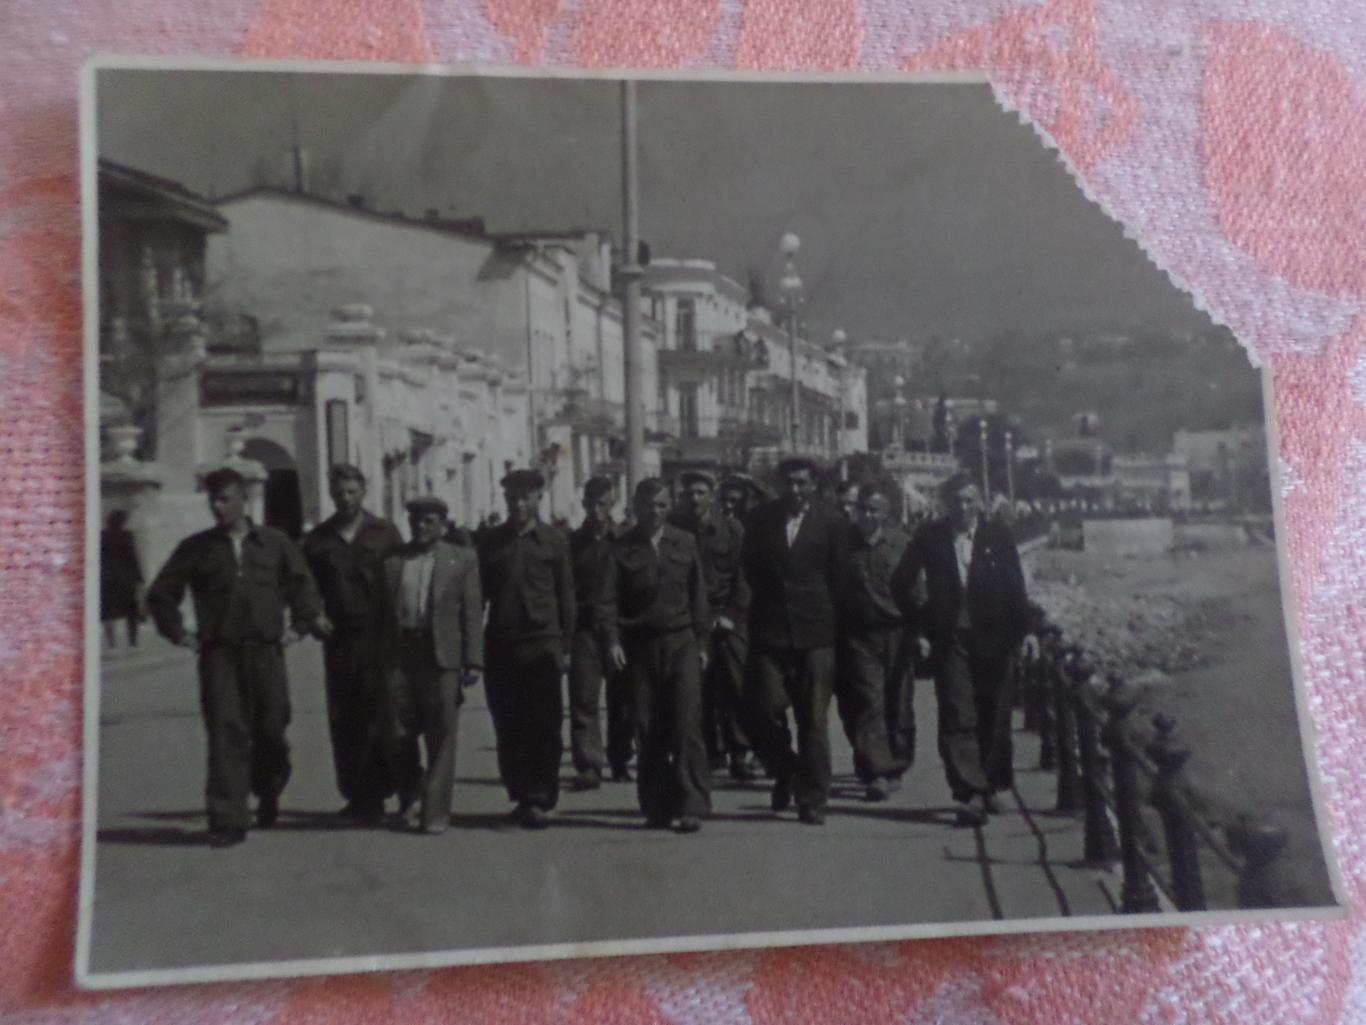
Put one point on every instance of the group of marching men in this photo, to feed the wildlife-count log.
(706, 623)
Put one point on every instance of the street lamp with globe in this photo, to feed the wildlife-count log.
(791, 286)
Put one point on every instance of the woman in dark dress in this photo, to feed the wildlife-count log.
(120, 579)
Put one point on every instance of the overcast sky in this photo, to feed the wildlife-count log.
(921, 208)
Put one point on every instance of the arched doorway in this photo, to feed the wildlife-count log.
(284, 500)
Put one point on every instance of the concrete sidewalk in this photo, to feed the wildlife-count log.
(312, 889)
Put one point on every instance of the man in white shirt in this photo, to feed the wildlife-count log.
(432, 642)
(974, 620)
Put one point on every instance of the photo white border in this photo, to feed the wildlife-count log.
(258, 970)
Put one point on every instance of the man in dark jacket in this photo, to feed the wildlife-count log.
(653, 615)
(974, 619)
(430, 641)
(528, 586)
(871, 655)
(345, 552)
(590, 545)
(719, 539)
(793, 555)
(242, 577)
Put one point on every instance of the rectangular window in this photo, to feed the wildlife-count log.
(338, 433)
(685, 325)
(687, 410)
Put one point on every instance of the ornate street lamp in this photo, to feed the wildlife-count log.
(791, 286)
(1010, 465)
(986, 477)
(837, 340)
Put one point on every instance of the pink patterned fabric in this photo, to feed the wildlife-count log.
(1231, 140)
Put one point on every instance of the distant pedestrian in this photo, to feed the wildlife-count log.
(847, 501)
(242, 577)
(430, 616)
(120, 580)
(719, 539)
(654, 619)
(345, 553)
(975, 617)
(528, 586)
(794, 555)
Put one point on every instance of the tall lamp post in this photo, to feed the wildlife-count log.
(630, 272)
(1010, 465)
(986, 476)
(791, 286)
(837, 340)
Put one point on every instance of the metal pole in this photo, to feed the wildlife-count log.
(792, 356)
(1010, 466)
(631, 274)
(986, 479)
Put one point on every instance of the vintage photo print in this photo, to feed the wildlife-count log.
(542, 516)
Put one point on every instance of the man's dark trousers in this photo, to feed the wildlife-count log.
(354, 707)
(588, 674)
(522, 678)
(245, 702)
(963, 679)
(899, 702)
(673, 776)
(803, 680)
(723, 695)
(866, 661)
(426, 703)
(994, 694)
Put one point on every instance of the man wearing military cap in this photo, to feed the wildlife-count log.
(718, 538)
(345, 553)
(528, 586)
(431, 640)
(590, 545)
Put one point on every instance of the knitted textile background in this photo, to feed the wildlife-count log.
(1230, 140)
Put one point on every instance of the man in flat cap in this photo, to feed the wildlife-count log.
(345, 553)
(589, 547)
(528, 585)
(793, 557)
(430, 627)
(871, 656)
(719, 538)
(976, 615)
(652, 612)
(242, 577)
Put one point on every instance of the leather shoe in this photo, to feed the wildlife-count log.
(877, 790)
(990, 805)
(534, 817)
(588, 779)
(221, 838)
(811, 816)
(689, 824)
(781, 799)
(969, 813)
(621, 774)
(267, 812)
(740, 769)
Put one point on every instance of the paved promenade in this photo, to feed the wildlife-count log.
(313, 889)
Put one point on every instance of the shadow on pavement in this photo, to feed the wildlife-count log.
(155, 836)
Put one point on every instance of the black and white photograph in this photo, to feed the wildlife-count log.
(537, 516)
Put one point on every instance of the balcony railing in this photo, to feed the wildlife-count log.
(686, 366)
